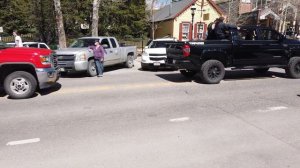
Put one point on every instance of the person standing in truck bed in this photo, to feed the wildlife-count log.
(221, 28)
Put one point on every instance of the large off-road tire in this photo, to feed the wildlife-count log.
(261, 70)
(91, 71)
(129, 61)
(293, 68)
(20, 85)
(212, 72)
(187, 73)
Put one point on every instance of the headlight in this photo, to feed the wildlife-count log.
(45, 60)
(81, 57)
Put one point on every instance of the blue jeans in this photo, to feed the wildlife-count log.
(99, 67)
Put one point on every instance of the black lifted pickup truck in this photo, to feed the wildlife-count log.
(257, 48)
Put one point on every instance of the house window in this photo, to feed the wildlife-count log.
(185, 31)
(200, 30)
(206, 16)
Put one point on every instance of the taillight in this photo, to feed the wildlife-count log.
(186, 50)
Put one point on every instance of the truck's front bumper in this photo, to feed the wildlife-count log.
(47, 77)
(73, 66)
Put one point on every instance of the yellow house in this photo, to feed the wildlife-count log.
(175, 20)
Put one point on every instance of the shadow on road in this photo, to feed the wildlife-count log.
(2, 93)
(250, 74)
(42, 92)
(157, 69)
(178, 78)
(229, 76)
(50, 90)
(85, 75)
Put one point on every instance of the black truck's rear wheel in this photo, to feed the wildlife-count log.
(212, 72)
(20, 85)
(188, 73)
(293, 68)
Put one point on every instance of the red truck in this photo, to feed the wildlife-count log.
(24, 70)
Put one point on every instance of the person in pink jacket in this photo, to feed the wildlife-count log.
(99, 53)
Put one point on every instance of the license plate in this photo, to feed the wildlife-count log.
(62, 70)
(156, 63)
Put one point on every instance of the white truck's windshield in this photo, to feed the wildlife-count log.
(159, 44)
(83, 43)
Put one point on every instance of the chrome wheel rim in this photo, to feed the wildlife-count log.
(19, 85)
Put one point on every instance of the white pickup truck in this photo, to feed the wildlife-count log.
(155, 53)
(78, 57)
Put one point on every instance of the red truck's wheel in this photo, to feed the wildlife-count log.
(293, 68)
(212, 72)
(20, 85)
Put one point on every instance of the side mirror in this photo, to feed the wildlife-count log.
(146, 47)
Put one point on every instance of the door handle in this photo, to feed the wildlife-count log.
(110, 51)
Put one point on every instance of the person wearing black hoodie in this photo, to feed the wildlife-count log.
(221, 28)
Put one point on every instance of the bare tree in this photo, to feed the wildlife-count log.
(95, 22)
(60, 24)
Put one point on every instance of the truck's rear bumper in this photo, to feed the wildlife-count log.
(180, 64)
(47, 77)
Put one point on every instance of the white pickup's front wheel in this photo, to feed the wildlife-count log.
(91, 71)
(20, 85)
(130, 61)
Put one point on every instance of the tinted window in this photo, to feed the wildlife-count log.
(270, 35)
(159, 44)
(43, 46)
(113, 43)
(32, 45)
(105, 43)
(247, 34)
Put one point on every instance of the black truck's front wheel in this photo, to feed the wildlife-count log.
(293, 68)
(212, 72)
(187, 73)
(20, 85)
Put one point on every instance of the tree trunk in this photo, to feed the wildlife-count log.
(152, 18)
(60, 25)
(95, 22)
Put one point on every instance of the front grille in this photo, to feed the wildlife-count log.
(157, 54)
(65, 58)
(54, 61)
(157, 58)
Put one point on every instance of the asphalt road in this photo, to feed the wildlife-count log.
(156, 119)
